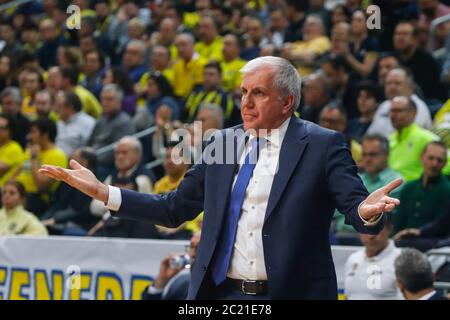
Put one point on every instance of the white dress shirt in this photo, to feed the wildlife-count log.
(247, 260)
(75, 132)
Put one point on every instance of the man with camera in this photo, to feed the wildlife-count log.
(172, 282)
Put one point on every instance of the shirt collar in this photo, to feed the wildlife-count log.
(276, 136)
(405, 132)
(428, 295)
(385, 252)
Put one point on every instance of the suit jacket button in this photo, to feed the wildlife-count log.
(203, 268)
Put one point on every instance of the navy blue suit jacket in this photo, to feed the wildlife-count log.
(316, 175)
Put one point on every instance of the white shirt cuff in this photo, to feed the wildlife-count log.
(153, 290)
(114, 199)
(369, 223)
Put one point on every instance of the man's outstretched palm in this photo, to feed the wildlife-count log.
(379, 201)
(78, 177)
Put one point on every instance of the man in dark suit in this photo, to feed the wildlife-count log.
(268, 203)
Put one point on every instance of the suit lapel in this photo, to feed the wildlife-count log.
(293, 146)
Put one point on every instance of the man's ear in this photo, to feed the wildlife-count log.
(288, 104)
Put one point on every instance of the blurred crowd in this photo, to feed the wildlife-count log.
(81, 89)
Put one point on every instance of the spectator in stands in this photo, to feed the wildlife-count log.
(409, 140)
(304, 53)
(369, 272)
(435, 234)
(11, 99)
(415, 276)
(398, 83)
(340, 42)
(375, 154)
(51, 40)
(176, 163)
(210, 45)
(107, 22)
(159, 95)
(254, 39)
(336, 69)
(231, 64)
(68, 56)
(211, 91)
(316, 91)
(188, 68)
(159, 61)
(70, 212)
(119, 77)
(173, 283)
(430, 10)
(422, 64)
(209, 119)
(277, 27)
(74, 126)
(362, 52)
(368, 100)
(165, 37)
(296, 17)
(11, 153)
(333, 117)
(7, 71)
(424, 200)
(129, 174)
(386, 63)
(112, 125)
(69, 82)
(8, 43)
(41, 149)
(340, 13)
(33, 82)
(134, 60)
(14, 219)
(45, 106)
(93, 69)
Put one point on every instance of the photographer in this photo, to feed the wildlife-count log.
(172, 282)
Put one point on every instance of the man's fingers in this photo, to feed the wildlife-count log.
(393, 185)
(75, 165)
(389, 200)
(54, 172)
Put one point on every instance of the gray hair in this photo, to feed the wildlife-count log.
(286, 79)
(13, 92)
(317, 18)
(138, 44)
(384, 143)
(323, 81)
(216, 111)
(134, 142)
(114, 88)
(413, 270)
(188, 36)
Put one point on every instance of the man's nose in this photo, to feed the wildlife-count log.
(247, 101)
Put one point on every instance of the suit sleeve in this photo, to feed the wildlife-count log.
(170, 210)
(345, 186)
